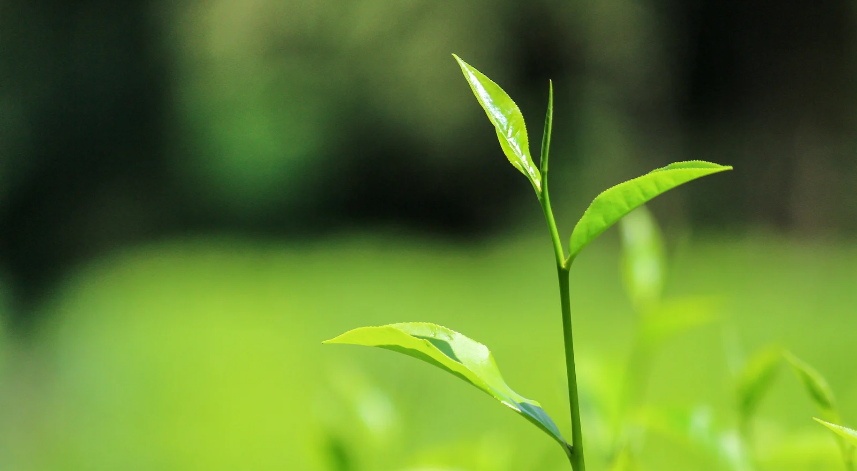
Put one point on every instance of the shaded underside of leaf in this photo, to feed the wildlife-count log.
(614, 203)
(816, 386)
(455, 353)
(755, 379)
(507, 119)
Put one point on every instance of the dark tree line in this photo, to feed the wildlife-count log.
(85, 126)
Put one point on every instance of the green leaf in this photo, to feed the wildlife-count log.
(815, 384)
(844, 432)
(643, 263)
(755, 379)
(612, 204)
(457, 354)
(507, 119)
(546, 135)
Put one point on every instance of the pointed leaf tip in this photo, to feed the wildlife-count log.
(507, 119)
(457, 354)
(614, 203)
(844, 432)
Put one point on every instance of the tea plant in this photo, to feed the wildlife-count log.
(736, 447)
(755, 380)
(358, 428)
(752, 384)
(470, 360)
(656, 319)
(821, 394)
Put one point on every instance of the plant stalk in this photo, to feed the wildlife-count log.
(575, 455)
(562, 267)
(577, 462)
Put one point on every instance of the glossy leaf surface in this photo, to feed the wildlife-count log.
(815, 384)
(457, 354)
(844, 432)
(507, 119)
(755, 379)
(614, 203)
(643, 263)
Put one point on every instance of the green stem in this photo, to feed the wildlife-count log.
(575, 455)
(577, 462)
(544, 196)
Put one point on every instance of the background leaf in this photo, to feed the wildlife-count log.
(643, 264)
(817, 387)
(844, 432)
(507, 119)
(608, 207)
(457, 354)
(755, 379)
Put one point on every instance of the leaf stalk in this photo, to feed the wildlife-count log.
(563, 265)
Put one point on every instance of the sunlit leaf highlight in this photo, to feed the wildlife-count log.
(507, 119)
(614, 203)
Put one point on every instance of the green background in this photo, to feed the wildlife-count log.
(193, 195)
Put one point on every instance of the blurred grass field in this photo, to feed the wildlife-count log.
(207, 354)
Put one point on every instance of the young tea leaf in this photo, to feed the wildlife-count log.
(816, 386)
(457, 354)
(844, 432)
(755, 379)
(643, 262)
(608, 207)
(507, 119)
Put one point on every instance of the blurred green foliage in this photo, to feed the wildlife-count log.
(237, 110)
(273, 92)
(124, 123)
(206, 355)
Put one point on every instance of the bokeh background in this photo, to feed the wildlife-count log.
(194, 194)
